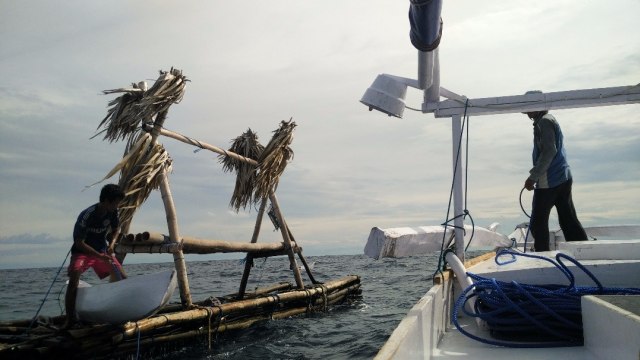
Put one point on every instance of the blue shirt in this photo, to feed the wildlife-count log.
(550, 166)
(94, 229)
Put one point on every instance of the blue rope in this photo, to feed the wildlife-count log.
(523, 311)
(48, 291)
(138, 344)
(526, 237)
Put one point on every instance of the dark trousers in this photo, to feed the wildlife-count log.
(543, 201)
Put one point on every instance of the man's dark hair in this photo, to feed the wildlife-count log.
(111, 192)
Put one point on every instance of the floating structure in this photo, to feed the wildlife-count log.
(137, 116)
(421, 240)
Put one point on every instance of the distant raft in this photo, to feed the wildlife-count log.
(419, 240)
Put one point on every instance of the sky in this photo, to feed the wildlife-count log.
(255, 63)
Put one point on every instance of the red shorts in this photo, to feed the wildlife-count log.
(82, 262)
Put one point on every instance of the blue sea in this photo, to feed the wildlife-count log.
(358, 330)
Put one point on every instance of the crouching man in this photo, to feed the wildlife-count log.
(94, 235)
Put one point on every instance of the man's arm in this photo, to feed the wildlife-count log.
(86, 249)
(548, 149)
(112, 242)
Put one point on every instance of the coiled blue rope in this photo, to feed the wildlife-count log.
(531, 315)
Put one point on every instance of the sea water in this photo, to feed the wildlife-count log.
(358, 330)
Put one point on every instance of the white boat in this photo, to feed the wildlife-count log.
(610, 323)
(563, 305)
(130, 299)
(420, 240)
(522, 238)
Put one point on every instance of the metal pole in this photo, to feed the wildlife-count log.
(429, 75)
(456, 135)
(424, 71)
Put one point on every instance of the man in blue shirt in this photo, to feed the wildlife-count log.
(94, 236)
(551, 180)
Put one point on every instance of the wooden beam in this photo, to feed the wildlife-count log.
(151, 242)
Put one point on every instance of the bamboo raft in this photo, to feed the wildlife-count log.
(138, 116)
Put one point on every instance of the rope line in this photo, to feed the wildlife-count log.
(514, 312)
(35, 317)
(526, 236)
(446, 224)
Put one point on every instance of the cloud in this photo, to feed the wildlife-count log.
(353, 169)
(30, 239)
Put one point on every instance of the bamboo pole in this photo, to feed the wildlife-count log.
(272, 196)
(243, 323)
(249, 261)
(149, 248)
(287, 241)
(203, 145)
(304, 261)
(238, 324)
(172, 222)
(130, 328)
(193, 245)
(262, 291)
(178, 257)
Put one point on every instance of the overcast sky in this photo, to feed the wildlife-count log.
(255, 63)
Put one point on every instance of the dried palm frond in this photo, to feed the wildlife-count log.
(145, 161)
(248, 146)
(141, 170)
(274, 159)
(141, 173)
(138, 105)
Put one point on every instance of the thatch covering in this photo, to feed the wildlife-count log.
(144, 161)
(248, 146)
(274, 159)
(138, 105)
(254, 184)
(140, 174)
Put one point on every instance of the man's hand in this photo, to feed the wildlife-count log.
(529, 184)
(106, 257)
(111, 248)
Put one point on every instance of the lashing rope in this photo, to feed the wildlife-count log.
(553, 311)
(465, 122)
(526, 237)
(35, 317)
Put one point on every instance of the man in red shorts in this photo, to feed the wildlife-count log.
(94, 236)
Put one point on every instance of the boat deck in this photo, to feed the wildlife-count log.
(613, 262)
(610, 323)
(455, 345)
(615, 341)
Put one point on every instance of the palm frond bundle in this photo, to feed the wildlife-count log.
(248, 146)
(138, 105)
(274, 159)
(141, 171)
(144, 161)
